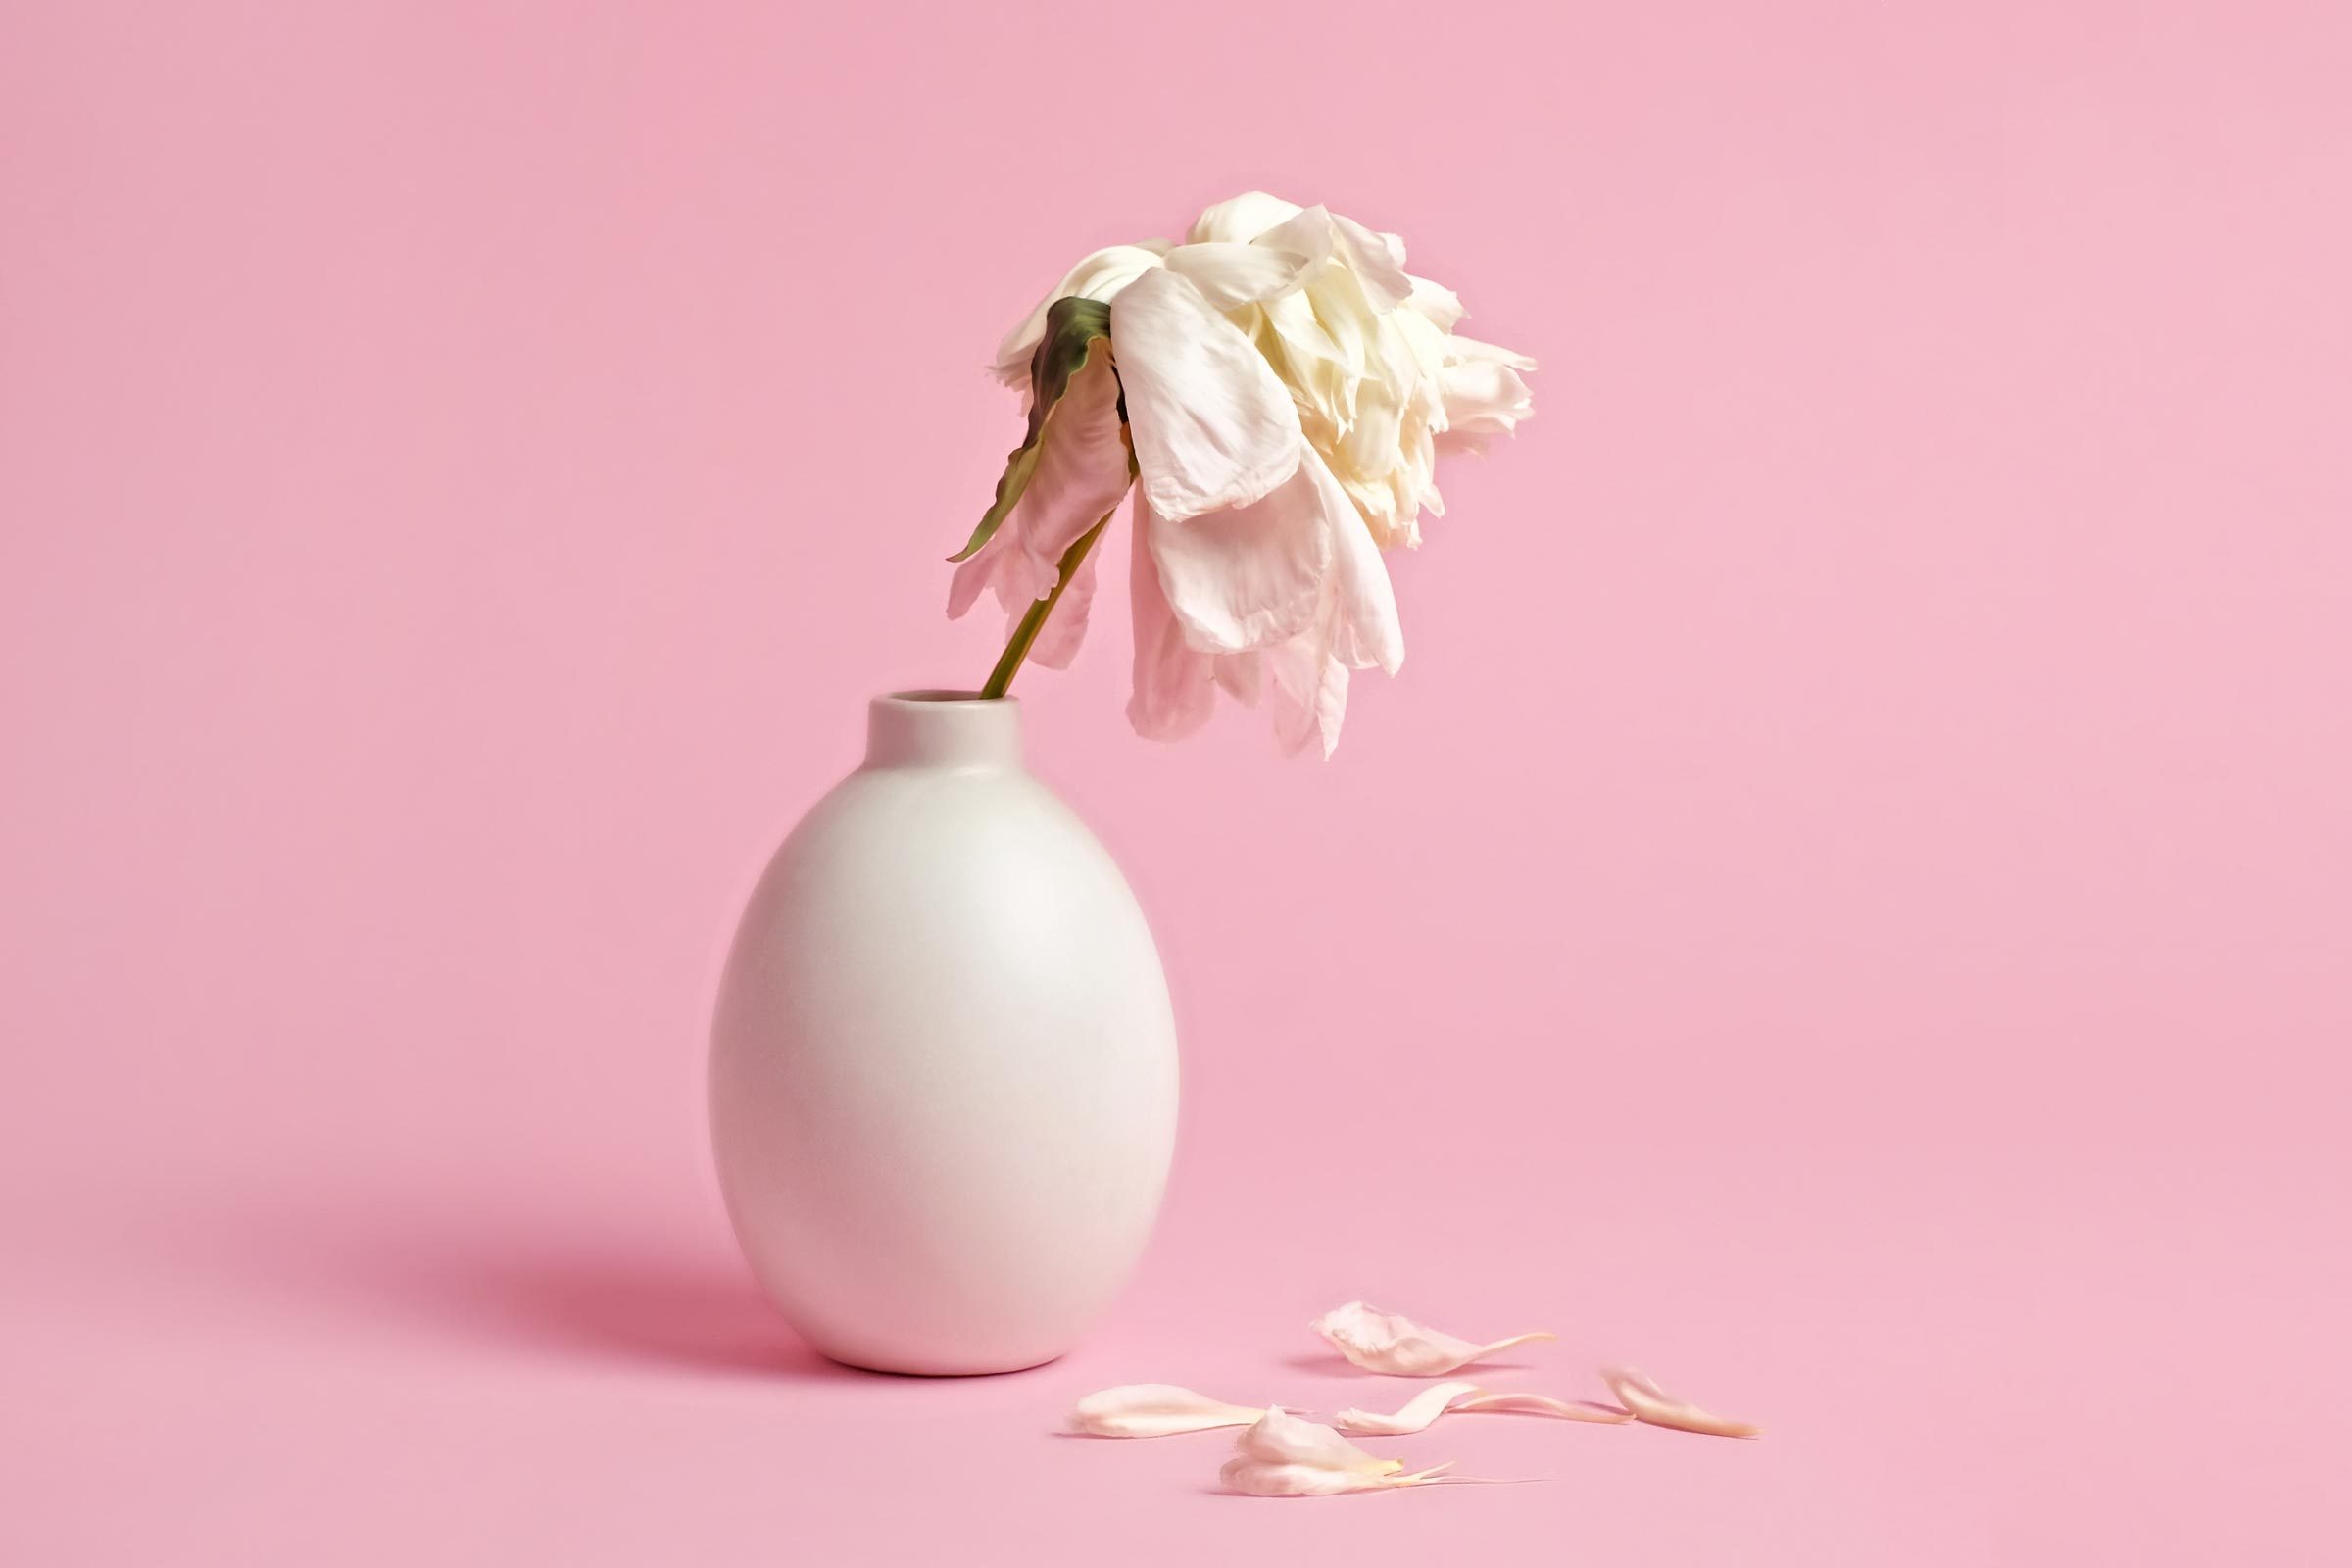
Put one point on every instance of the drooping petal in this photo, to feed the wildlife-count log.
(1365, 632)
(1237, 677)
(1174, 681)
(1440, 305)
(1366, 255)
(1310, 694)
(1082, 468)
(1252, 577)
(1654, 1406)
(1416, 1415)
(1213, 427)
(1385, 1341)
(1100, 276)
(1064, 629)
(1241, 218)
(1230, 276)
(1154, 1410)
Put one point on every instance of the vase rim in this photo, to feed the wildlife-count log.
(942, 728)
(945, 697)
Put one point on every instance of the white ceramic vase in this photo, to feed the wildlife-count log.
(943, 1069)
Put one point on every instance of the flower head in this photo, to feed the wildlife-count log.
(1281, 389)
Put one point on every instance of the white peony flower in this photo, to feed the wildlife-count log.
(1285, 386)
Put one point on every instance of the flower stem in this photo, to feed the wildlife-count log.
(1016, 648)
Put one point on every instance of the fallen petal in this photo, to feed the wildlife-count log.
(1650, 1403)
(1544, 1405)
(1262, 1479)
(1154, 1410)
(1284, 1455)
(1416, 1415)
(1430, 1403)
(1384, 1342)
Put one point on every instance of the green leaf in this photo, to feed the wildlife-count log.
(1075, 328)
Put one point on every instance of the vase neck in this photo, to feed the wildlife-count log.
(943, 729)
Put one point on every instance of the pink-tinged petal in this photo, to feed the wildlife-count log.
(1385, 1341)
(1064, 629)
(1230, 276)
(1100, 276)
(1082, 471)
(1259, 1479)
(1544, 1405)
(1252, 577)
(1237, 677)
(1154, 1410)
(1654, 1406)
(1174, 681)
(1416, 1415)
(1213, 427)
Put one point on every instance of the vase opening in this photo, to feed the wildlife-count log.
(943, 729)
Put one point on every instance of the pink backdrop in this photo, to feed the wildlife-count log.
(1846, 905)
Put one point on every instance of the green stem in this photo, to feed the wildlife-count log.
(1017, 646)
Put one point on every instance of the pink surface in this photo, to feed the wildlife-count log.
(1847, 905)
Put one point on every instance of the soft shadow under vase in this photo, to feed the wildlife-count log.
(942, 1069)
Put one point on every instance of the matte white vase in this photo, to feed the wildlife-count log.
(943, 1069)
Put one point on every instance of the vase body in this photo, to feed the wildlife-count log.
(942, 1066)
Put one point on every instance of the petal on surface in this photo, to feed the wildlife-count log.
(1154, 1410)
(1278, 1436)
(1252, 577)
(1229, 275)
(1415, 1416)
(1213, 426)
(1544, 1405)
(1654, 1406)
(1259, 1479)
(1386, 1341)
(1100, 276)
(1174, 681)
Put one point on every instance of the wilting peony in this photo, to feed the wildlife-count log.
(1286, 386)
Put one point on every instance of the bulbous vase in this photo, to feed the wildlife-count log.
(942, 1066)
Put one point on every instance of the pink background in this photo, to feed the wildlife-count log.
(1847, 904)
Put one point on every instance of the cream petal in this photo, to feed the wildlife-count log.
(1386, 1341)
(1213, 428)
(1154, 1410)
(1483, 399)
(1366, 632)
(1385, 282)
(1654, 1406)
(1252, 577)
(1310, 695)
(1441, 306)
(1229, 275)
(1100, 276)
(1241, 218)
(1260, 1479)
(1174, 681)
(1280, 1436)
(1416, 1415)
